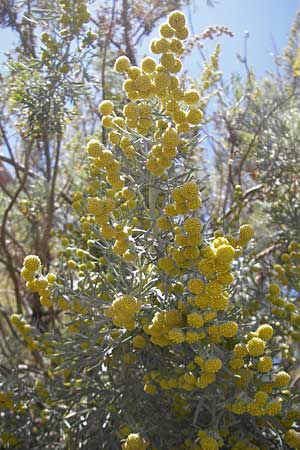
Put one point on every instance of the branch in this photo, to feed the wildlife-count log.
(16, 165)
(3, 234)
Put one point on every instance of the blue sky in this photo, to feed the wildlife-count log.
(267, 21)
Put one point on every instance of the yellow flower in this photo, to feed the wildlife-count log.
(240, 350)
(131, 111)
(189, 190)
(256, 346)
(229, 329)
(163, 223)
(273, 408)
(205, 379)
(150, 388)
(261, 397)
(265, 332)
(246, 233)
(236, 363)
(51, 277)
(209, 443)
(192, 225)
(212, 365)
(194, 116)
(148, 64)
(114, 137)
(27, 275)
(168, 61)
(176, 20)
(196, 286)
(176, 335)
(182, 33)
(122, 64)
(195, 320)
(107, 121)
(106, 107)
(191, 97)
(161, 45)
(274, 290)
(176, 46)
(162, 80)
(264, 364)
(170, 138)
(95, 148)
(166, 30)
(225, 254)
(32, 263)
(282, 379)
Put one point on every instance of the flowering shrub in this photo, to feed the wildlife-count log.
(152, 351)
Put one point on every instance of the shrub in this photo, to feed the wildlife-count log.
(152, 351)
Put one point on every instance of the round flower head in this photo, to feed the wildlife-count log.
(107, 121)
(148, 65)
(208, 442)
(176, 46)
(177, 20)
(195, 320)
(282, 379)
(256, 346)
(225, 254)
(229, 329)
(191, 97)
(162, 45)
(213, 365)
(26, 274)
(246, 233)
(168, 61)
(95, 148)
(265, 332)
(265, 364)
(32, 263)
(194, 116)
(106, 107)
(182, 33)
(122, 64)
(166, 30)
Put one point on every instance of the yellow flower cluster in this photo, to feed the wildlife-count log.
(165, 328)
(289, 269)
(105, 161)
(257, 407)
(35, 282)
(122, 311)
(100, 208)
(122, 243)
(185, 199)
(155, 81)
(31, 265)
(25, 330)
(184, 251)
